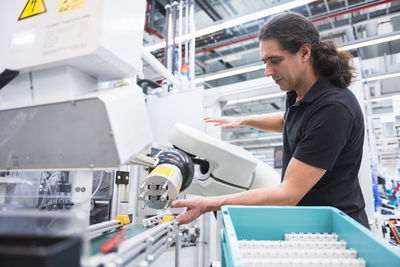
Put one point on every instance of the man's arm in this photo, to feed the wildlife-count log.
(299, 179)
(267, 122)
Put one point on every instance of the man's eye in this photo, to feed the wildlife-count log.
(275, 61)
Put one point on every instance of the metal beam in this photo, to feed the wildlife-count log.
(210, 11)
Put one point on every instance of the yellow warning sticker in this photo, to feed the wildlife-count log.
(33, 8)
(69, 5)
(165, 170)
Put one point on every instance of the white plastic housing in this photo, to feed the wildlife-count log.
(100, 130)
(103, 38)
(233, 169)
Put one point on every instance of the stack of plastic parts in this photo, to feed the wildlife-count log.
(300, 250)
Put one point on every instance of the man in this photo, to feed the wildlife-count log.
(323, 126)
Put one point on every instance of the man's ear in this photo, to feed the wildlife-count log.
(305, 51)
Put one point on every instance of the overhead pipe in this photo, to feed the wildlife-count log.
(147, 26)
(168, 38)
(210, 11)
(187, 31)
(315, 20)
(173, 46)
(353, 10)
(180, 34)
(192, 49)
(226, 44)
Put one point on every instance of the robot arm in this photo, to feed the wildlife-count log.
(173, 173)
(218, 168)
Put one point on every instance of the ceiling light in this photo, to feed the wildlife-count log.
(262, 145)
(381, 77)
(255, 138)
(371, 41)
(229, 73)
(256, 146)
(255, 98)
(243, 140)
(378, 99)
(234, 22)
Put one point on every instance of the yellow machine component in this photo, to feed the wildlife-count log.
(173, 173)
(124, 219)
(167, 219)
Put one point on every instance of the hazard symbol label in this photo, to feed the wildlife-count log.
(68, 5)
(33, 8)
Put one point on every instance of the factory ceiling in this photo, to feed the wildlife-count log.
(344, 21)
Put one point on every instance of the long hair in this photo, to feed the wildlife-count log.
(292, 30)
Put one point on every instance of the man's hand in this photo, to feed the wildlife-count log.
(225, 122)
(194, 208)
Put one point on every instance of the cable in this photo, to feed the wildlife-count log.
(48, 190)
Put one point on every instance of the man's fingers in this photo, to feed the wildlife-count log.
(228, 126)
(186, 217)
(181, 218)
(216, 119)
(179, 204)
(212, 120)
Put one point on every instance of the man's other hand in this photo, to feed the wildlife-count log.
(225, 122)
(194, 208)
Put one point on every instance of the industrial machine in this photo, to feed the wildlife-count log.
(205, 166)
(71, 113)
(54, 57)
(73, 122)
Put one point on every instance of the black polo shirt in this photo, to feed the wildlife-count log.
(325, 129)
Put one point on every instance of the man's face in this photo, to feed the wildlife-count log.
(285, 68)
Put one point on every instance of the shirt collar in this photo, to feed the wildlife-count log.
(316, 90)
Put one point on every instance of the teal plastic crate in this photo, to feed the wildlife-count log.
(271, 223)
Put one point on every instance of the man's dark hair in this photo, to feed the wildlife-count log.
(292, 30)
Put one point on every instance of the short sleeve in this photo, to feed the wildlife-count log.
(325, 133)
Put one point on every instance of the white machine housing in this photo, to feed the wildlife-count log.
(103, 38)
(53, 116)
(102, 130)
(232, 169)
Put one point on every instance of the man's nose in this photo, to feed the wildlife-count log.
(268, 71)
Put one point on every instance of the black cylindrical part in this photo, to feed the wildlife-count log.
(181, 160)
